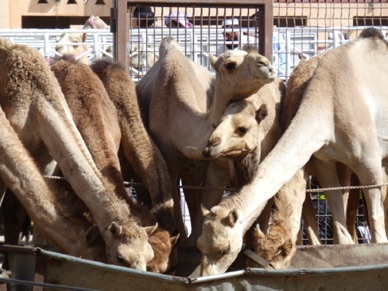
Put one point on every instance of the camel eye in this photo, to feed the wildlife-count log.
(280, 250)
(261, 63)
(241, 130)
(225, 251)
(120, 259)
(230, 66)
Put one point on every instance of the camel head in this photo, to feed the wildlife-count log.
(276, 247)
(241, 74)
(220, 241)
(165, 251)
(127, 245)
(238, 131)
(73, 44)
(95, 22)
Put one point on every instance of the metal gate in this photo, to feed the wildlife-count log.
(201, 28)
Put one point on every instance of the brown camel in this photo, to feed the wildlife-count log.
(96, 118)
(177, 93)
(140, 152)
(338, 120)
(33, 102)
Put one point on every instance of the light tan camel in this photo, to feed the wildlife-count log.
(296, 86)
(140, 152)
(246, 133)
(66, 227)
(338, 120)
(37, 110)
(141, 55)
(95, 22)
(176, 91)
(79, 49)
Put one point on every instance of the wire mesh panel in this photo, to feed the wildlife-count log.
(201, 27)
(311, 27)
(299, 29)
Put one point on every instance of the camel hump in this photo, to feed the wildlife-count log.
(168, 43)
(371, 32)
(104, 63)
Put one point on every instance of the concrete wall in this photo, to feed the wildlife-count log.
(18, 8)
(4, 14)
(328, 14)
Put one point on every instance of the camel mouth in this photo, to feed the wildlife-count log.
(212, 153)
(235, 154)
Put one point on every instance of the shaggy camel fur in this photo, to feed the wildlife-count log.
(176, 92)
(327, 126)
(137, 146)
(37, 110)
(96, 118)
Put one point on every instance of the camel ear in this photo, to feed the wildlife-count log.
(174, 239)
(91, 235)
(213, 60)
(262, 113)
(205, 211)
(151, 229)
(287, 247)
(231, 219)
(115, 229)
(258, 233)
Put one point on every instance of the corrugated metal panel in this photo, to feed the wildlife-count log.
(371, 272)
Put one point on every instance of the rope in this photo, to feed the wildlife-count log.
(345, 188)
(317, 190)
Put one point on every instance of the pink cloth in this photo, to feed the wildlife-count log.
(179, 17)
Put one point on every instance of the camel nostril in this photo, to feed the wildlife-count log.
(206, 152)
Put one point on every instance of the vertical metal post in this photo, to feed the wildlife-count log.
(120, 36)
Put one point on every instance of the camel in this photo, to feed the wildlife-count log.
(140, 152)
(21, 174)
(79, 49)
(141, 56)
(246, 133)
(327, 127)
(296, 86)
(95, 22)
(96, 117)
(176, 91)
(33, 102)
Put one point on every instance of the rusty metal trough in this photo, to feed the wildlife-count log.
(330, 267)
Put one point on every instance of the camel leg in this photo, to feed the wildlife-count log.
(310, 220)
(14, 216)
(326, 173)
(352, 208)
(215, 179)
(384, 190)
(371, 174)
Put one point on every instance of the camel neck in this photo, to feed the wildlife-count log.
(290, 154)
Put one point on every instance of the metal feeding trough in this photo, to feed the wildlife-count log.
(333, 267)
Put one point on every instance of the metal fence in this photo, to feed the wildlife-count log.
(301, 30)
